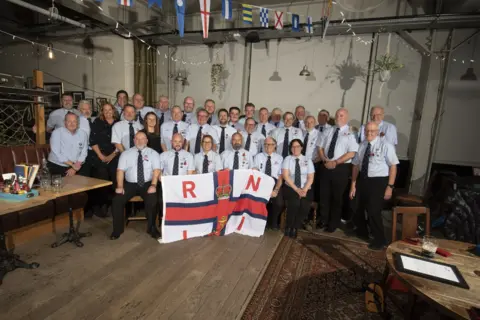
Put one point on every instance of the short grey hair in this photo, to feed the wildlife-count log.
(82, 102)
(76, 116)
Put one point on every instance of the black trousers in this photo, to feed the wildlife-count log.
(316, 181)
(56, 169)
(369, 194)
(104, 171)
(332, 189)
(275, 207)
(297, 208)
(120, 200)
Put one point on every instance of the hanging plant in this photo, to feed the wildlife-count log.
(217, 71)
(385, 65)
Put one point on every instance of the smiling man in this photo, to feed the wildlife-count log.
(387, 130)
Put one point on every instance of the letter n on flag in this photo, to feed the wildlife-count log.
(227, 9)
(218, 203)
(278, 20)
(205, 13)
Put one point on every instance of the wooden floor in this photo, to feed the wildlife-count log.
(135, 277)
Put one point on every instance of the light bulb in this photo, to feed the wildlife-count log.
(51, 55)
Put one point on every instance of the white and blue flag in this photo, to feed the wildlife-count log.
(227, 9)
(264, 17)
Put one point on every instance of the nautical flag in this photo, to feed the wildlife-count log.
(127, 3)
(295, 22)
(278, 20)
(205, 14)
(215, 204)
(264, 17)
(180, 8)
(247, 13)
(227, 9)
(309, 26)
(152, 2)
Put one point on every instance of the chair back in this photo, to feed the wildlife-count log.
(409, 221)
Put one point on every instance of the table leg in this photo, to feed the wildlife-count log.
(10, 261)
(72, 235)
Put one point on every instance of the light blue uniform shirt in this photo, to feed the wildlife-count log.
(268, 128)
(311, 151)
(382, 156)
(229, 132)
(279, 135)
(277, 124)
(214, 162)
(167, 132)
(245, 159)
(56, 119)
(128, 163)
(121, 132)
(387, 131)
(214, 121)
(306, 167)
(66, 146)
(167, 115)
(192, 135)
(256, 142)
(260, 162)
(185, 162)
(346, 142)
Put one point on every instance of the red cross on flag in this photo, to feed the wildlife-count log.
(205, 13)
(278, 20)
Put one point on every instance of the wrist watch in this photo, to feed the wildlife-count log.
(391, 186)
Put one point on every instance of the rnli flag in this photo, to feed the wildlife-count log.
(215, 204)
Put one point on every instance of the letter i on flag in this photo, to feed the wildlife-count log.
(247, 13)
(264, 17)
(227, 9)
(309, 26)
(127, 3)
(205, 13)
(295, 22)
(278, 20)
(180, 8)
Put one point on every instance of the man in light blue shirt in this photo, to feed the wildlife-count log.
(56, 119)
(69, 148)
(122, 100)
(138, 173)
(123, 132)
(387, 130)
(373, 179)
(176, 125)
(209, 105)
(238, 158)
(163, 110)
(197, 130)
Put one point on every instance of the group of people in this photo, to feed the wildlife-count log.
(133, 145)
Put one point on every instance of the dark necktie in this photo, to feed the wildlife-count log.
(222, 140)
(321, 129)
(175, 129)
(209, 121)
(132, 134)
(162, 118)
(298, 179)
(205, 164)
(247, 144)
(198, 140)
(268, 166)
(175, 165)
(364, 170)
(139, 117)
(235, 161)
(90, 121)
(184, 118)
(285, 144)
(264, 131)
(305, 143)
(296, 124)
(233, 126)
(140, 173)
(331, 148)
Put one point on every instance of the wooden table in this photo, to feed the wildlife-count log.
(453, 301)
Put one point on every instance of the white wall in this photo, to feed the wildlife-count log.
(97, 79)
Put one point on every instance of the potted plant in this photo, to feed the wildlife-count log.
(385, 65)
(216, 74)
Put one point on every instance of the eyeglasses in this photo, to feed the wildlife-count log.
(269, 144)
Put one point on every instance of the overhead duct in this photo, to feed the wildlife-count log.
(51, 14)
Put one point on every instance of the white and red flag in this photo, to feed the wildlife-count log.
(217, 203)
(205, 13)
(278, 20)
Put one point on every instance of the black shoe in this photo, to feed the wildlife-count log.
(114, 236)
(287, 232)
(376, 246)
(155, 233)
(293, 234)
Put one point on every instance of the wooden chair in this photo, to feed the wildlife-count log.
(409, 221)
(133, 216)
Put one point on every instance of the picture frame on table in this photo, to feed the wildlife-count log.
(54, 101)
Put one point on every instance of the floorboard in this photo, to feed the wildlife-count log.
(135, 277)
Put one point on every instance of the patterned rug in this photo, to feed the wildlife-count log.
(317, 277)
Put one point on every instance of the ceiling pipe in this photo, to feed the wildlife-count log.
(50, 14)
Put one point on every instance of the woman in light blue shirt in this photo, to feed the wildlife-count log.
(297, 172)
